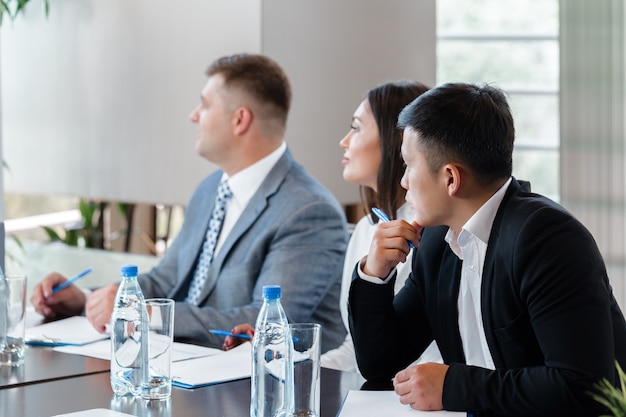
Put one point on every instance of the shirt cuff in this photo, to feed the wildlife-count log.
(373, 279)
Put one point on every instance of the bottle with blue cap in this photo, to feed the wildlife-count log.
(129, 342)
(272, 350)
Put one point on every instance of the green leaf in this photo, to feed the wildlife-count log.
(20, 6)
(122, 208)
(610, 396)
(52, 234)
(4, 8)
(18, 242)
(87, 210)
(71, 237)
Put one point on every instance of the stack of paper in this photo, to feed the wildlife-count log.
(77, 336)
(73, 331)
(227, 366)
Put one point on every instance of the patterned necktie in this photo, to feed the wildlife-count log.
(206, 256)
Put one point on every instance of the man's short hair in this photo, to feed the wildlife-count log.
(467, 124)
(259, 78)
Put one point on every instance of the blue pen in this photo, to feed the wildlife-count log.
(239, 335)
(225, 333)
(384, 218)
(71, 281)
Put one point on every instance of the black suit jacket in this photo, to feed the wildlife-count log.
(552, 324)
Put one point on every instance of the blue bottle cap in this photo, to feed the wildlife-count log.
(271, 292)
(129, 270)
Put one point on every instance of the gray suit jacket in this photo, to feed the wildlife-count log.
(292, 233)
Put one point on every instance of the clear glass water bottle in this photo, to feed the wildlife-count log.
(272, 350)
(129, 343)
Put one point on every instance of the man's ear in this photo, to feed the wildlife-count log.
(453, 177)
(242, 120)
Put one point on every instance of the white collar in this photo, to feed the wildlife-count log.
(247, 181)
(480, 223)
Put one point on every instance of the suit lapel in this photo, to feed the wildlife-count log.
(256, 206)
(488, 278)
(447, 306)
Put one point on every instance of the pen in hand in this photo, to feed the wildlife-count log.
(384, 218)
(225, 333)
(71, 281)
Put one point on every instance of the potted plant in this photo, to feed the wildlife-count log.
(89, 232)
(612, 397)
(12, 8)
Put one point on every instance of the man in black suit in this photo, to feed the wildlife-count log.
(509, 284)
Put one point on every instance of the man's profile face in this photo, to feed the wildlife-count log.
(213, 138)
(426, 193)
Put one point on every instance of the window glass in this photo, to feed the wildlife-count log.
(513, 45)
(511, 65)
(532, 127)
(541, 168)
(531, 17)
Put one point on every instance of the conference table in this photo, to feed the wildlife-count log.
(50, 383)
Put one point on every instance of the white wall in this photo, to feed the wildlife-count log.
(334, 51)
(96, 98)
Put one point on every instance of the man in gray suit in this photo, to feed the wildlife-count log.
(280, 226)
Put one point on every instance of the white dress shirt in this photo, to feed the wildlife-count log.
(243, 185)
(471, 247)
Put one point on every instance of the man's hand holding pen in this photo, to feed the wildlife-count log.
(390, 246)
(234, 340)
(69, 301)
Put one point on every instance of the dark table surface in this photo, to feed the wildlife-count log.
(231, 399)
(43, 364)
(50, 383)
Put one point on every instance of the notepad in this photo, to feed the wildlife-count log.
(383, 403)
(200, 372)
(72, 331)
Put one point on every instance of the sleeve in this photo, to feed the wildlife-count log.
(389, 332)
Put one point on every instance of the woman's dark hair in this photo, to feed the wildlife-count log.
(386, 102)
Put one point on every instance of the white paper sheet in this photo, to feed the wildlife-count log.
(70, 331)
(383, 403)
(227, 366)
(96, 412)
(102, 350)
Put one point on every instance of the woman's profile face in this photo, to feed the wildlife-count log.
(361, 157)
